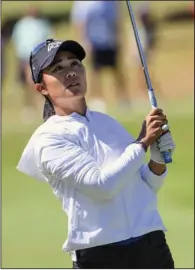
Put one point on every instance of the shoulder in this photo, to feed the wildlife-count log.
(47, 143)
(55, 128)
(50, 135)
(43, 22)
(59, 131)
(19, 24)
(98, 116)
(29, 160)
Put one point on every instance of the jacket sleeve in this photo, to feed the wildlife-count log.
(152, 180)
(62, 159)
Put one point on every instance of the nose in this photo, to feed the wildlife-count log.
(71, 74)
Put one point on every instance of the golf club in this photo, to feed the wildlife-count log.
(166, 155)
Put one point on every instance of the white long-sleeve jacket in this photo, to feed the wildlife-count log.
(99, 175)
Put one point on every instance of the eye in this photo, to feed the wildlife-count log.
(75, 63)
(58, 68)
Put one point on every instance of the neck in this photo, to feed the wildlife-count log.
(78, 106)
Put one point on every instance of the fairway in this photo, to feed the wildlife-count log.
(34, 227)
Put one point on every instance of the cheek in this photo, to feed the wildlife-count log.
(84, 79)
(85, 84)
(53, 85)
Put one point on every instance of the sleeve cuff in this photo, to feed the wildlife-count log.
(153, 180)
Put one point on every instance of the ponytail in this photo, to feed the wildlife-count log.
(48, 109)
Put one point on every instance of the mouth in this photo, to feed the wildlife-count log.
(73, 85)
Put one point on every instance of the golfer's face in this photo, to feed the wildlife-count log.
(65, 77)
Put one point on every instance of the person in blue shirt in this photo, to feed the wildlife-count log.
(98, 24)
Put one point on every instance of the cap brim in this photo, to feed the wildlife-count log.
(68, 45)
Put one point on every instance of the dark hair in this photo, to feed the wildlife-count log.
(48, 109)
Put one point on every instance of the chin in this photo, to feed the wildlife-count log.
(77, 93)
(80, 97)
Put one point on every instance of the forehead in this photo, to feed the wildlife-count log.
(64, 55)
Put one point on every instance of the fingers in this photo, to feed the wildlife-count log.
(153, 126)
(156, 118)
(157, 132)
(159, 123)
(155, 111)
(156, 128)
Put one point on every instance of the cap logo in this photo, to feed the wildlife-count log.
(53, 45)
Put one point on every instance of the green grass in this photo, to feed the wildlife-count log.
(34, 226)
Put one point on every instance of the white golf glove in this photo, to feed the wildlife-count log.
(164, 143)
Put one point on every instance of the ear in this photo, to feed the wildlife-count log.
(41, 88)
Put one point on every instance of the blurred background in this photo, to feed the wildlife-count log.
(33, 224)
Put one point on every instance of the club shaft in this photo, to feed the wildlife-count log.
(139, 46)
(166, 155)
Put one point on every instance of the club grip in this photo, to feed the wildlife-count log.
(167, 157)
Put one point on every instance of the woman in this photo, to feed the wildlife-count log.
(96, 168)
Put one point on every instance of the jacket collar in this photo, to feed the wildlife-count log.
(71, 117)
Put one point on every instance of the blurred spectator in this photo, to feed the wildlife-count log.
(27, 33)
(192, 8)
(97, 24)
(148, 22)
(147, 27)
